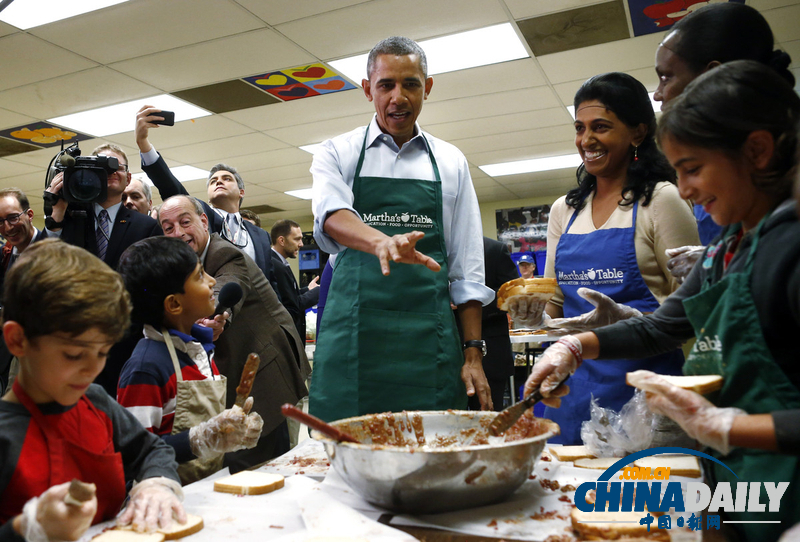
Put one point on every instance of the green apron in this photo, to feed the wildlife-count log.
(730, 343)
(389, 343)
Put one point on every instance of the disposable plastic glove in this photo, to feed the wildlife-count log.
(48, 517)
(228, 431)
(527, 312)
(682, 260)
(696, 415)
(152, 504)
(606, 312)
(553, 367)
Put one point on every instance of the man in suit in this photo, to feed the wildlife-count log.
(288, 238)
(225, 194)
(258, 323)
(138, 197)
(106, 230)
(19, 232)
(498, 364)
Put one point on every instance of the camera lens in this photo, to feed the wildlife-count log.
(85, 185)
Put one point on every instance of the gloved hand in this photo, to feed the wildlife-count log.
(48, 517)
(152, 504)
(228, 431)
(607, 312)
(553, 367)
(682, 260)
(528, 312)
(694, 413)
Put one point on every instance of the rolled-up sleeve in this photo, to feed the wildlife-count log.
(330, 193)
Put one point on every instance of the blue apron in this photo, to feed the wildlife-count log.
(603, 260)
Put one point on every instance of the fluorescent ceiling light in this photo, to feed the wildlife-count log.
(303, 193)
(471, 49)
(533, 165)
(656, 105)
(115, 119)
(311, 149)
(26, 14)
(189, 173)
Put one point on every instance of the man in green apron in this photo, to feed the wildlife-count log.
(389, 194)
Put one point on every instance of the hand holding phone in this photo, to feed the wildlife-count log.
(169, 118)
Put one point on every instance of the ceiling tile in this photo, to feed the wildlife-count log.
(784, 22)
(228, 96)
(30, 183)
(333, 35)
(10, 169)
(158, 26)
(280, 11)
(496, 192)
(40, 158)
(27, 59)
(9, 119)
(327, 106)
(189, 132)
(10, 147)
(225, 148)
(764, 5)
(261, 162)
(6, 29)
(515, 139)
(513, 154)
(216, 60)
(793, 49)
(498, 124)
(490, 79)
(291, 178)
(523, 9)
(304, 134)
(576, 28)
(80, 91)
(500, 103)
(580, 64)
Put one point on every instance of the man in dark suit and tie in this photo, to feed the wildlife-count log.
(106, 230)
(225, 194)
(288, 238)
(19, 232)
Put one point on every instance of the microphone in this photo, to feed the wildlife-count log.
(229, 295)
(67, 160)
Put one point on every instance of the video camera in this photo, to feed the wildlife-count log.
(85, 177)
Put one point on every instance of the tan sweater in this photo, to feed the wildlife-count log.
(667, 222)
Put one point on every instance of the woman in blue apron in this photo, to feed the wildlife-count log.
(610, 235)
(732, 136)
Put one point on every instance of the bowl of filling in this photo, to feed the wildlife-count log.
(427, 462)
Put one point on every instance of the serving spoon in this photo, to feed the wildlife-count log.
(291, 411)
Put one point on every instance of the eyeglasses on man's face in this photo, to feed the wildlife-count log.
(11, 220)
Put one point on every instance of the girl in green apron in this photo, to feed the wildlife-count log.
(732, 137)
(171, 383)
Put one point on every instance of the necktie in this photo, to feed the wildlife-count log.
(102, 234)
(233, 227)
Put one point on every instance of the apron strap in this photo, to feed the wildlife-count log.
(172, 355)
(51, 437)
(361, 155)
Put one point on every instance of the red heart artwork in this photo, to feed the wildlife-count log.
(333, 84)
(314, 72)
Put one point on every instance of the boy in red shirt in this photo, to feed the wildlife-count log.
(64, 309)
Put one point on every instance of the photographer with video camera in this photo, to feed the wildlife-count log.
(85, 195)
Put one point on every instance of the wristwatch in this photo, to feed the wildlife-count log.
(475, 344)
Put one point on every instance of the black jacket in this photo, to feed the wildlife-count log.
(295, 299)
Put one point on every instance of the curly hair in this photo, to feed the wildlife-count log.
(627, 98)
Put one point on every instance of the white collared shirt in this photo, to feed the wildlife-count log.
(333, 169)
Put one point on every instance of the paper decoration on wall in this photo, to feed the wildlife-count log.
(649, 16)
(300, 82)
(43, 134)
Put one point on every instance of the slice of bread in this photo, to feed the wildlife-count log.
(127, 535)
(611, 527)
(540, 287)
(249, 483)
(601, 463)
(176, 530)
(679, 465)
(701, 384)
(570, 453)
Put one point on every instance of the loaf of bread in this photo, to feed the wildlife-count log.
(539, 287)
(176, 530)
(701, 384)
(570, 453)
(127, 535)
(249, 483)
(614, 526)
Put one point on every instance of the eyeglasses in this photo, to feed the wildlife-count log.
(123, 168)
(12, 220)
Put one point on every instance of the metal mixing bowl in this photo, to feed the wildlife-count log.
(427, 462)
